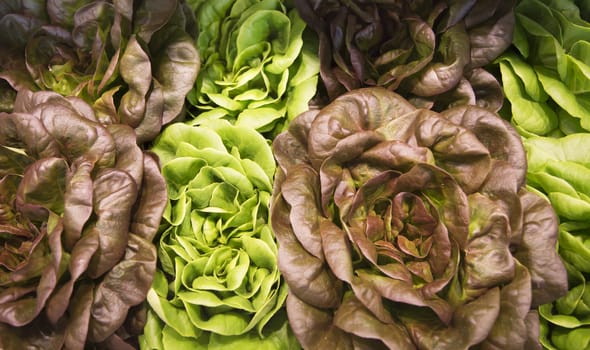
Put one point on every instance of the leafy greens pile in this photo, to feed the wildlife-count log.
(218, 285)
(134, 62)
(404, 213)
(79, 206)
(546, 79)
(260, 70)
(430, 51)
(405, 228)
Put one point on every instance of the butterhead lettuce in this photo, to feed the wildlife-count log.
(545, 77)
(260, 67)
(79, 206)
(218, 285)
(133, 61)
(406, 228)
(430, 51)
(560, 171)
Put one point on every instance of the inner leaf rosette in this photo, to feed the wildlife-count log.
(79, 206)
(260, 67)
(433, 51)
(218, 279)
(405, 228)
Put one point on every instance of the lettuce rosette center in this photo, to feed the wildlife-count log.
(410, 241)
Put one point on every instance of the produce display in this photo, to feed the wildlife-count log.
(294, 174)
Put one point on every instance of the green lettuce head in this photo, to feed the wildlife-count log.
(430, 50)
(565, 323)
(260, 70)
(133, 61)
(559, 168)
(406, 228)
(218, 284)
(546, 76)
(79, 206)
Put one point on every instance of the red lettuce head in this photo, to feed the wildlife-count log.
(431, 51)
(406, 228)
(79, 206)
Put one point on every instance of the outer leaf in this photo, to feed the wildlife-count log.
(530, 111)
